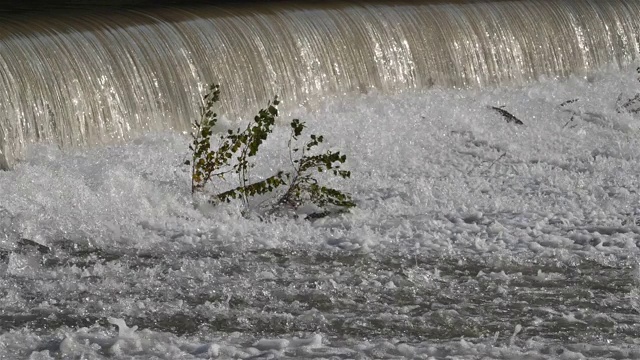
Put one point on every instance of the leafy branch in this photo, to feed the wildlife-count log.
(236, 154)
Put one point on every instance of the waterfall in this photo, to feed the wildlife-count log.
(89, 78)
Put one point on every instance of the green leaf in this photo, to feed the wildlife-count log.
(237, 150)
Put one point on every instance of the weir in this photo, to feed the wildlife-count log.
(86, 78)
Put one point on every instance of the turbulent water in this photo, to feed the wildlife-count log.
(472, 238)
(78, 78)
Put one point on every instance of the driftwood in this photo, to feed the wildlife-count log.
(509, 117)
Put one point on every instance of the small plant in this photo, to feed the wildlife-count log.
(630, 105)
(301, 185)
(235, 155)
(574, 114)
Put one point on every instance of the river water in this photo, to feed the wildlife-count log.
(472, 238)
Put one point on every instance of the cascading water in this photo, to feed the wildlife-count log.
(92, 78)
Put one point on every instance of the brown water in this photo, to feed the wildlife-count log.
(81, 78)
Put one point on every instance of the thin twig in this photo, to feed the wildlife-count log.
(570, 101)
(494, 161)
(570, 120)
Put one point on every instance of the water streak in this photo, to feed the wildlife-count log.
(83, 79)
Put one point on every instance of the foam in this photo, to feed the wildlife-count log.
(472, 238)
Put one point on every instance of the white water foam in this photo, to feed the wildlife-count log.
(472, 238)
